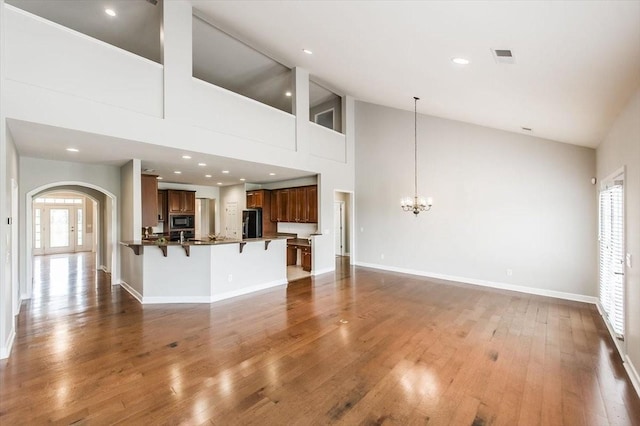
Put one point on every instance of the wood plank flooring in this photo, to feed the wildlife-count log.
(355, 347)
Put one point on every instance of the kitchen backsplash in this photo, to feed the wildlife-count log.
(302, 229)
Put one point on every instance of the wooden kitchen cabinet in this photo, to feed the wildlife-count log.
(280, 205)
(305, 253)
(181, 202)
(256, 199)
(312, 204)
(295, 204)
(162, 205)
(149, 191)
(298, 209)
(306, 259)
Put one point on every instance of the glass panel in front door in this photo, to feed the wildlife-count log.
(58, 228)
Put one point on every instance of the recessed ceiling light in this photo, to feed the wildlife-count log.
(73, 150)
(272, 174)
(242, 179)
(177, 172)
(207, 176)
(110, 12)
(186, 157)
(226, 172)
(287, 94)
(307, 51)
(219, 183)
(202, 164)
(460, 61)
(159, 177)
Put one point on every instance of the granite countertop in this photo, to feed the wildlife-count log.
(196, 242)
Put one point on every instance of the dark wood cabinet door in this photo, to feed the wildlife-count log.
(149, 191)
(181, 202)
(251, 200)
(282, 197)
(174, 201)
(274, 207)
(302, 210)
(312, 204)
(189, 202)
(306, 259)
(162, 205)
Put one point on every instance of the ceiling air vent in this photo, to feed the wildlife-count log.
(503, 56)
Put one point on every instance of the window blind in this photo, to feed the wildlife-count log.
(612, 255)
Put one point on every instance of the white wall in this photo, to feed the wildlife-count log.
(326, 143)
(90, 68)
(501, 201)
(226, 112)
(621, 148)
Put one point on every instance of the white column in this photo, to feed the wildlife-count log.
(177, 59)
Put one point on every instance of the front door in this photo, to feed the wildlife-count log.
(58, 229)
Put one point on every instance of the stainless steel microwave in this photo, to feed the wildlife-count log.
(182, 222)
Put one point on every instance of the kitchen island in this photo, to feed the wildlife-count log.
(202, 271)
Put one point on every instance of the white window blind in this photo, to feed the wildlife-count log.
(612, 255)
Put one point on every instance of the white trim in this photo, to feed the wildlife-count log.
(247, 290)
(633, 374)
(322, 271)
(484, 283)
(175, 299)
(132, 291)
(5, 350)
(103, 268)
(626, 361)
(333, 117)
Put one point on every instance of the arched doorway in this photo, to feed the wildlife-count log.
(107, 246)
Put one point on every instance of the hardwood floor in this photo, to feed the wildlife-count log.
(357, 347)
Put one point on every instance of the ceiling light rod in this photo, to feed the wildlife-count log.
(416, 204)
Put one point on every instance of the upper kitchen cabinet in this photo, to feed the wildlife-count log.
(312, 203)
(257, 199)
(298, 208)
(162, 204)
(149, 191)
(181, 202)
(280, 205)
(295, 204)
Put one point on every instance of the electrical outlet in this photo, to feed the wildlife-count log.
(230, 277)
(362, 229)
(509, 272)
(382, 256)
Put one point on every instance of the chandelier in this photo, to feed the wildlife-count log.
(416, 204)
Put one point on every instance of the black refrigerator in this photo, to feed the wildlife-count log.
(252, 223)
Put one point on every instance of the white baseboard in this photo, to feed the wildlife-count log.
(247, 290)
(175, 299)
(633, 374)
(484, 283)
(154, 300)
(132, 291)
(322, 271)
(5, 350)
